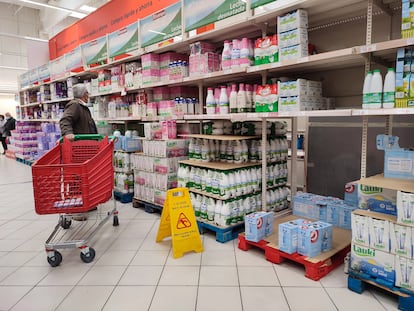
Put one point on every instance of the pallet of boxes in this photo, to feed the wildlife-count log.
(316, 236)
(383, 226)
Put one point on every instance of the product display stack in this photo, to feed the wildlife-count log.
(383, 226)
(124, 147)
(155, 169)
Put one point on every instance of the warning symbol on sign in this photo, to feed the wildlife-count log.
(183, 222)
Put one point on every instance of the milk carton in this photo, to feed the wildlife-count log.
(379, 234)
(405, 208)
(401, 240)
(288, 235)
(258, 225)
(310, 240)
(404, 272)
(360, 229)
(378, 264)
(326, 235)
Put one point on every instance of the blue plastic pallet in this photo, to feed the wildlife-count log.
(357, 283)
(149, 207)
(223, 235)
(123, 197)
(27, 162)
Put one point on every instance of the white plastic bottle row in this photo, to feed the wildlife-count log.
(224, 213)
(123, 182)
(232, 183)
(237, 151)
(122, 161)
(375, 94)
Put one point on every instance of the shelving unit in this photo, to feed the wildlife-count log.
(352, 53)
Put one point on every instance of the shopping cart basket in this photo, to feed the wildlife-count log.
(74, 179)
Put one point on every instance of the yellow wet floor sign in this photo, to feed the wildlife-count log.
(178, 221)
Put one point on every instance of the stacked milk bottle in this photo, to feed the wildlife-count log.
(375, 94)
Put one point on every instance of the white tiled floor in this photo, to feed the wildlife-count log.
(133, 272)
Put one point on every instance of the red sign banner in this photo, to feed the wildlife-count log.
(114, 15)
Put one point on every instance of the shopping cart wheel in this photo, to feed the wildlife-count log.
(65, 222)
(89, 256)
(55, 260)
(116, 221)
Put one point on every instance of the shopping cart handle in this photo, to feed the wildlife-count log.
(89, 137)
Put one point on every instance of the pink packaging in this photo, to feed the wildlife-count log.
(204, 63)
(150, 75)
(152, 109)
(150, 61)
(166, 108)
(161, 93)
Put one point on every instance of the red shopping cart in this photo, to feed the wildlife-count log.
(74, 180)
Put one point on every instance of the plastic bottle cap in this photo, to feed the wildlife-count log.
(377, 70)
(390, 69)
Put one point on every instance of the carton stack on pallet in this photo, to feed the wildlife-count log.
(155, 169)
(383, 227)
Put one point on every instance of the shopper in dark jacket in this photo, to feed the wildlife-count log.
(77, 118)
(9, 126)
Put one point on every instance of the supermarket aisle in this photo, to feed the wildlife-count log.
(132, 272)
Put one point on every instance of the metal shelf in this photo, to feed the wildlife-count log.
(220, 137)
(222, 166)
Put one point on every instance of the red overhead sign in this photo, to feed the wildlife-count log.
(114, 15)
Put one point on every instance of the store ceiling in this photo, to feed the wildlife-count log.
(56, 15)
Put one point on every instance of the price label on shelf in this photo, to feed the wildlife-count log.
(302, 60)
(410, 41)
(368, 48)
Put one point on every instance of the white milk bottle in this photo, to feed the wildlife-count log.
(224, 185)
(245, 152)
(241, 99)
(237, 152)
(376, 90)
(223, 151)
(226, 214)
(205, 151)
(211, 207)
(226, 56)
(389, 89)
(224, 101)
(203, 207)
(217, 213)
(366, 95)
(210, 102)
(233, 99)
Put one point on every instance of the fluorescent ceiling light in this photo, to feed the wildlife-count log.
(13, 68)
(158, 32)
(7, 94)
(22, 37)
(54, 7)
(78, 15)
(87, 8)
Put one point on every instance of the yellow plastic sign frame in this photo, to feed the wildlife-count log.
(178, 221)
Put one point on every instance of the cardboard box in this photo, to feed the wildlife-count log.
(258, 225)
(375, 194)
(292, 20)
(360, 229)
(351, 193)
(405, 208)
(378, 264)
(401, 241)
(288, 235)
(398, 162)
(379, 234)
(314, 237)
(404, 273)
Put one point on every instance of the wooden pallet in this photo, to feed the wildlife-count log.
(357, 282)
(123, 197)
(315, 267)
(223, 234)
(147, 206)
